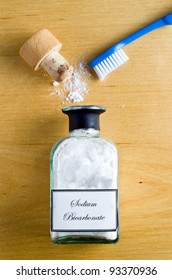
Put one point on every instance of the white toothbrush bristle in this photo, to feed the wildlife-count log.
(111, 63)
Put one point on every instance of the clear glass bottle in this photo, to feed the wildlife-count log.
(83, 182)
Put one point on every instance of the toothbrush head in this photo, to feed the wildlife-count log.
(115, 57)
(107, 62)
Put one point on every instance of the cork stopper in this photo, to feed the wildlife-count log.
(42, 50)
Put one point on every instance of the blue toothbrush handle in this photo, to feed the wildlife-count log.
(154, 25)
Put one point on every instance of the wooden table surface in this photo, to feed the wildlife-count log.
(138, 98)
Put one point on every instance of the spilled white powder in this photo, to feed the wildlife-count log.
(75, 88)
(55, 83)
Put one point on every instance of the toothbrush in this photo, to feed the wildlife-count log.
(115, 56)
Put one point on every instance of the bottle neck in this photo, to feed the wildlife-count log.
(90, 132)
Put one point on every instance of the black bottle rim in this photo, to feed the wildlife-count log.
(84, 107)
(84, 117)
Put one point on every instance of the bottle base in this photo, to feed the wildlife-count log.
(74, 239)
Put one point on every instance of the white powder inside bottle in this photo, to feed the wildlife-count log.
(93, 164)
(76, 87)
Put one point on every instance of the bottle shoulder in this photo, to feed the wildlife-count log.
(109, 142)
(69, 144)
(58, 145)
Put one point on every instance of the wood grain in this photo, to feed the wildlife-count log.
(138, 98)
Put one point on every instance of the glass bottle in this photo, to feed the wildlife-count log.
(83, 182)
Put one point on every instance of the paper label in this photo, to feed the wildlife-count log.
(83, 210)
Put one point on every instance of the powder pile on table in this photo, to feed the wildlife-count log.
(76, 87)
